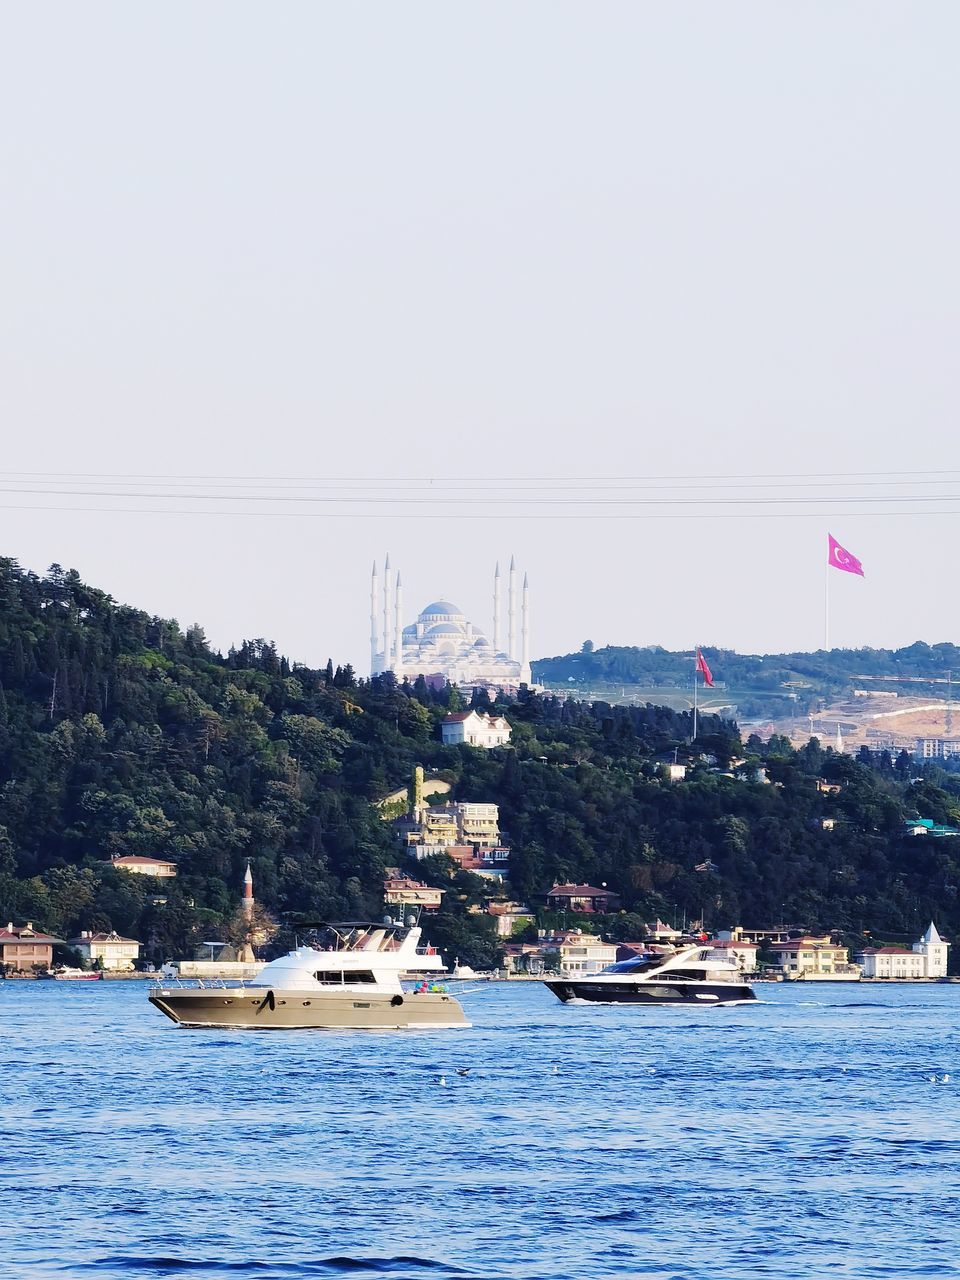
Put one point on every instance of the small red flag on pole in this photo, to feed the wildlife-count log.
(704, 669)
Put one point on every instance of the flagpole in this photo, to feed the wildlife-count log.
(695, 683)
(826, 605)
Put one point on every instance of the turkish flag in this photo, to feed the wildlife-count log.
(840, 558)
(704, 669)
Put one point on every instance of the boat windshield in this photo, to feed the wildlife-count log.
(637, 964)
(345, 937)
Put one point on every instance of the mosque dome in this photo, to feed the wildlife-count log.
(481, 642)
(441, 609)
(444, 629)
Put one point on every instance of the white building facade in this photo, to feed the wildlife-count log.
(113, 952)
(442, 642)
(475, 729)
(926, 959)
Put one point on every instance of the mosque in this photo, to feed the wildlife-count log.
(443, 643)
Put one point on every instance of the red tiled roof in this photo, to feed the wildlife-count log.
(456, 717)
(20, 933)
(889, 951)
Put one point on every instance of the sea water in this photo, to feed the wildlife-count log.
(813, 1133)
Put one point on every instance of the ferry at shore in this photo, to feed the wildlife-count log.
(693, 976)
(350, 978)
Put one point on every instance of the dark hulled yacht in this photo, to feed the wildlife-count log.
(693, 976)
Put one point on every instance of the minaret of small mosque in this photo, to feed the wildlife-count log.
(398, 629)
(248, 893)
(496, 609)
(512, 612)
(374, 629)
(525, 633)
(839, 743)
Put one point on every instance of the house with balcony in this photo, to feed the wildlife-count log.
(399, 890)
(812, 957)
(107, 950)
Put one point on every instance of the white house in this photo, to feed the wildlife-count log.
(584, 953)
(926, 959)
(110, 949)
(476, 729)
(142, 866)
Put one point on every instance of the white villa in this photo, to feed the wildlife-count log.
(475, 729)
(926, 959)
(113, 952)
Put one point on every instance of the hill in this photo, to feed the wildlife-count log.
(759, 685)
(122, 733)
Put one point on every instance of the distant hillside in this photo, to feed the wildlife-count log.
(122, 733)
(759, 684)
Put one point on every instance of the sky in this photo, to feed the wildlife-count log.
(503, 265)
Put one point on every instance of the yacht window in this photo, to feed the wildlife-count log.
(339, 976)
(636, 964)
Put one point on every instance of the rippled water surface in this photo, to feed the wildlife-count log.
(792, 1138)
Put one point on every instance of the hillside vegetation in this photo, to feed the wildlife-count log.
(762, 684)
(122, 733)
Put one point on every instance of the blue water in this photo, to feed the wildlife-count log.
(794, 1138)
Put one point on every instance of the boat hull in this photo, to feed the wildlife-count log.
(692, 994)
(246, 1009)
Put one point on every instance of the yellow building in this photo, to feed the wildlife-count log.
(813, 957)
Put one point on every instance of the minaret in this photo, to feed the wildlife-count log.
(248, 894)
(838, 746)
(512, 612)
(398, 628)
(496, 609)
(525, 633)
(387, 618)
(374, 630)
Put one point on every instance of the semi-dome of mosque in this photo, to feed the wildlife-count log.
(443, 642)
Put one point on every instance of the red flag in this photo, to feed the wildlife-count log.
(704, 669)
(840, 558)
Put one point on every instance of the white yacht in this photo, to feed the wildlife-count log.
(693, 976)
(350, 978)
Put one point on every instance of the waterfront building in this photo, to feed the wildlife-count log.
(745, 953)
(443, 644)
(811, 957)
(23, 948)
(583, 953)
(113, 952)
(141, 866)
(581, 899)
(474, 729)
(926, 959)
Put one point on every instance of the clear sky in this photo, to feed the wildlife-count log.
(470, 243)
